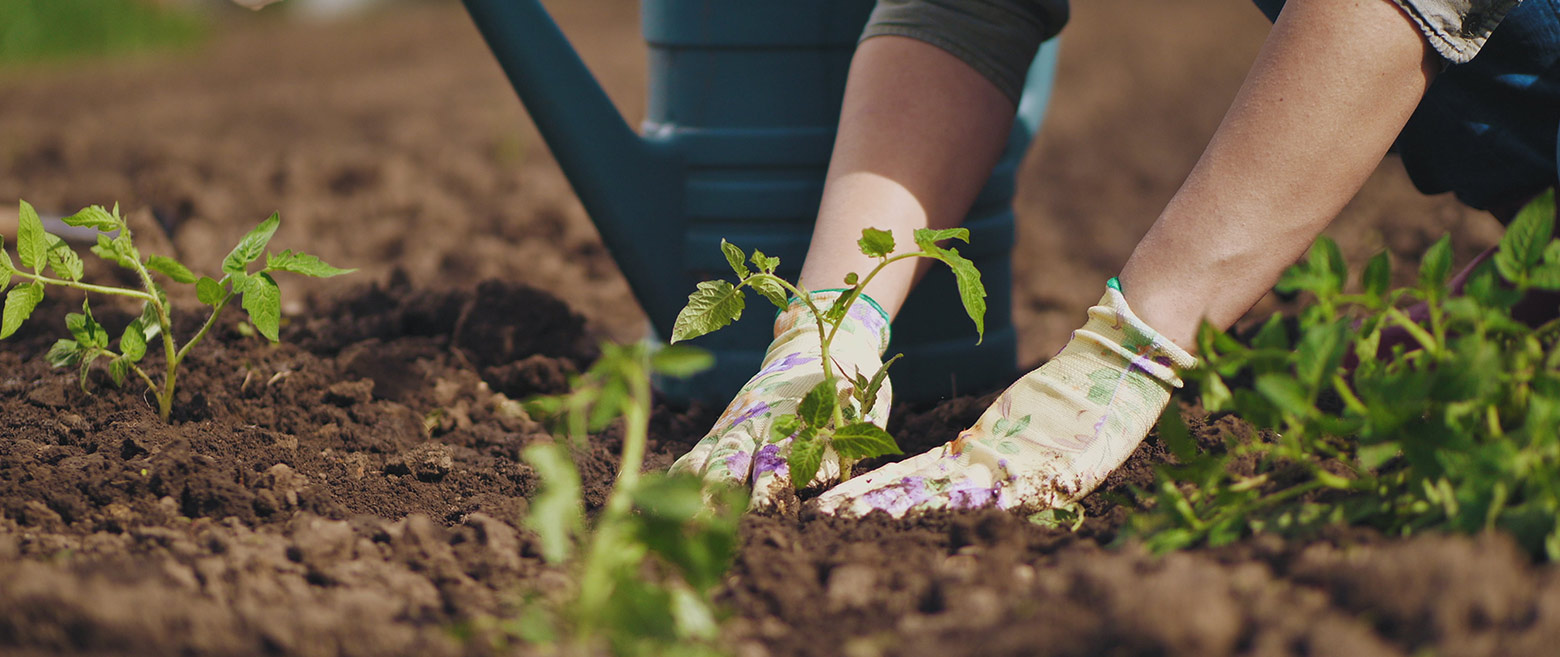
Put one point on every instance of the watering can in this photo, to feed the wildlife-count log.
(744, 97)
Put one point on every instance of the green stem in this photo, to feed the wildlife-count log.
(1423, 337)
(85, 287)
(205, 328)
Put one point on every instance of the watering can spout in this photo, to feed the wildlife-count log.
(625, 183)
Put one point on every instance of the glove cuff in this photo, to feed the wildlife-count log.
(866, 321)
(1113, 326)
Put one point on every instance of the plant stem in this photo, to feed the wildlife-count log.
(85, 287)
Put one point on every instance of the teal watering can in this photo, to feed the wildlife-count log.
(744, 96)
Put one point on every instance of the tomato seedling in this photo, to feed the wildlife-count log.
(40, 251)
(829, 415)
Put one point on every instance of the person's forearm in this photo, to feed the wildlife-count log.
(1329, 92)
(919, 133)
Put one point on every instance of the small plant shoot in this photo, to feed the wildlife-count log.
(830, 416)
(42, 254)
(1459, 433)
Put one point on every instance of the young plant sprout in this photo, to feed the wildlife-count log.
(829, 415)
(40, 251)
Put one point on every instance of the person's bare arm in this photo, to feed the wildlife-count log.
(919, 134)
(1329, 92)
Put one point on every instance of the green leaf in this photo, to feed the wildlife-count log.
(251, 246)
(713, 305)
(118, 369)
(171, 268)
(132, 344)
(556, 513)
(64, 353)
(876, 243)
(817, 406)
(108, 250)
(735, 257)
(1175, 435)
(926, 237)
(1216, 395)
(1286, 393)
(784, 427)
(32, 242)
(5, 266)
(209, 291)
(772, 290)
(1377, 277)
(765, 263)
(1436, 266)
(1545, 276)
(93, 216)
(19, 304)
(263, 302)
(88, 356)
(63, 259)
(681, 361)
(869, 394)
(842, 303)
(805, 459)
(297, 262)
(150, 327)
(971, 292)
(1526, 237)
(863, 440)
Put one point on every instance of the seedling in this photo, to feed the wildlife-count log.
(40, 251)
(1461, 433)
(645, 571)
(828, 416)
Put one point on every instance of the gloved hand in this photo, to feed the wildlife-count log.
(738, 450)
(1051, 437)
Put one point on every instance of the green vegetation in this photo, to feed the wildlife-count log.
(826, 418)
(37, 30)
(40, 251)
(1461, 433)
(642, 574)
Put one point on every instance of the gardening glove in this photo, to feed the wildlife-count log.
(738, 449)
(1051, 437)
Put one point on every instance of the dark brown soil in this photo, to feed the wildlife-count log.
(357, 490)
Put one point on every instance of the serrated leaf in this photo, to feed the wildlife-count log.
(95, 217)
(64, 353)
(1545, 276)
(863, 440)
(972, 293)
(19, 304)
(1377, 277)
(105, 249)
(764, 263)
(63, 260)
(836, 310)
(681, 361)
(713, 305)
(263, 302)
(876, 243)
(251, 246)
(297, 262)
(1526, 237)
(927, 238)
(132, 345)
(209, 291)
(32, 242)
(735, 257)
(771, 289)
(171, 268)
(784, 427)
(123, 246)
(869, 394)
(817, 406)
(1436, 265)
(804, 460)
(150, 328)
(556, 514)
(118, 369)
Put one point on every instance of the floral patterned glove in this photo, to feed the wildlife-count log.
(737, 450)
(1051, 437)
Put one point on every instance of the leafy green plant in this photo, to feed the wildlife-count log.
(644, 570)
(1461, 433)
(828, 416)
(36, 30)
(40, 252)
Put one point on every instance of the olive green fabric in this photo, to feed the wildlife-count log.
(998, 38)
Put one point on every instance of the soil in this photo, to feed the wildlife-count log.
(357, 489)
